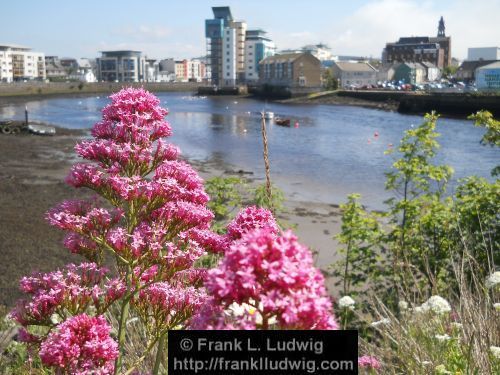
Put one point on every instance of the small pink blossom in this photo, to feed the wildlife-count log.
(250, 218)
(72, 288)
(369, 362)
(81, 345)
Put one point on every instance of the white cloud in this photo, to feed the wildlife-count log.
(142, 32)
(367, 30)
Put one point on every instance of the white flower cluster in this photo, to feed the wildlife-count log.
(403, 305)
(442, 338)
(380, 322)
(237, 310)
(496, 306)
(495, 350)
(435, 304)
(493, 279)
(347, 303)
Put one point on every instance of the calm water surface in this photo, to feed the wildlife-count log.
(332, 153)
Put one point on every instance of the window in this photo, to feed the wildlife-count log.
(227, 60)
(250, 54)
(227, 53)
(227, 74)
(227, 45)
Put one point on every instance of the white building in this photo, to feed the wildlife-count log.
(352, 74)
(432, 72)
(320, 51)
(19, 63)
(151, 70)
(241, 28)
(121, 66)
(488, 77)
(257, 48)
(196, 70)
(483, 53)
(84, 71)
(229, 58)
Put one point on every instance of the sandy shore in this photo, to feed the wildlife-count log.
(32, 169)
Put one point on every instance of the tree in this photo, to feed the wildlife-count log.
(420, 185)
(329, 81)
(360, 236)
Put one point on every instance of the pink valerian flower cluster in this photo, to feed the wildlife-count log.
(171, 305)
(274, 275)
(172, 221)
(369, 362)
(73, 289)
(80, 345)
(251, 218)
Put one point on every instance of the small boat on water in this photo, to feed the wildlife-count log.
(268, 115)
(41, 129)
(282, 121)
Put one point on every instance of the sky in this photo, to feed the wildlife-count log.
(173, 28)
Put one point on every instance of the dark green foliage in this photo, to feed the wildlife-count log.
(274, 203)
(329, 81)
(362, 266)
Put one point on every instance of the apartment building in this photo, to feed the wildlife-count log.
(121, 66)
(257, 48)
(291, 70)
(231, 49)
(229, 58)
(215, 35)
(19, 63)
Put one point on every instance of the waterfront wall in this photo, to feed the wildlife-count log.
(54, 88)
(214, 90)
(451, 104)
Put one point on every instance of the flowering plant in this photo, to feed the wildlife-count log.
(150, 217)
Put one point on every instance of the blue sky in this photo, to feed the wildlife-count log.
(176, 28)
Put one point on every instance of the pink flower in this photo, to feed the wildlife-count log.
(72, 288)
(81, 345)
(369, 362)
(249, 218)
(170, 304)
(276, 275)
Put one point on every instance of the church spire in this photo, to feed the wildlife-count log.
(441, 27)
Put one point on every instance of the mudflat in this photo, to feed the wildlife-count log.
(32, 172)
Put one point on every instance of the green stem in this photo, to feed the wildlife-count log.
(122, 325)
(159, 353)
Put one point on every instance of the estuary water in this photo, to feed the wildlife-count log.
(334, 150)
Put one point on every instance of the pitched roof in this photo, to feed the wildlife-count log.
(494, 65)
(285, 56)
(354, 67)
(428, 65)
(473, 65)
(414, 65)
